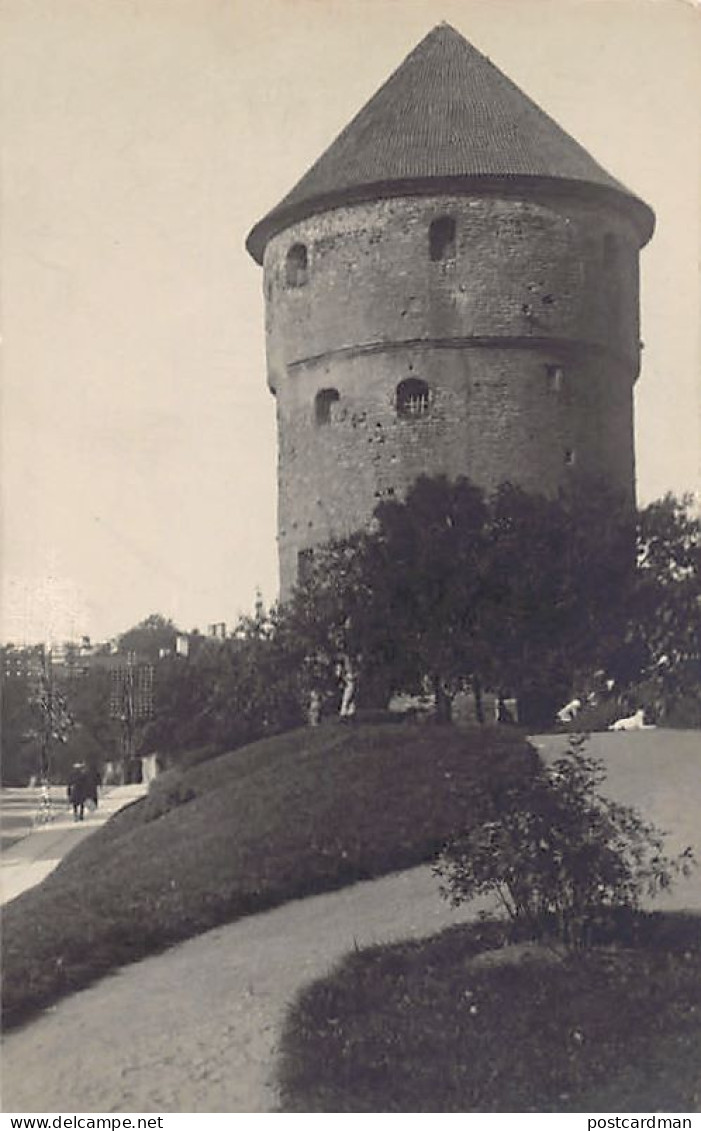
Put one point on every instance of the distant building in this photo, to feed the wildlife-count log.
(182, 645)
(23, 663)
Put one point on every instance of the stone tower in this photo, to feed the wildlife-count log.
(452, 288)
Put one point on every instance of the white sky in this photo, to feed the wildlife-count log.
(142, 139)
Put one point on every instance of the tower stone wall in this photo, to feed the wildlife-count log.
(451, 288)
(523, 327)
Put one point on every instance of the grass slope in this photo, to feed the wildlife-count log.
(303, 812)
(428, 1026)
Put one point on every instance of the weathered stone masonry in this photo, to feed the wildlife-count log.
(527, 338)
(490, 332)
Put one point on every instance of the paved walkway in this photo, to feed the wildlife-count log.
(36, 849)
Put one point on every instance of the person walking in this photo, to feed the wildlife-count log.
(93, 781)
(77, 789)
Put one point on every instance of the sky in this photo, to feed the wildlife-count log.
(141, 141)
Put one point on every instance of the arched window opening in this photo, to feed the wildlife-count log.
(441, 239)
(296, 265)
(323, 403)
(413, 398)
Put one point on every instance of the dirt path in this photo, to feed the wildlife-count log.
(195, 1029)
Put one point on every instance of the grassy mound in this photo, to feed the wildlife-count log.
(307, 811)
(449, 1025)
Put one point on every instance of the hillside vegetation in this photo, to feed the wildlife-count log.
(303, 812)
(462, 1022)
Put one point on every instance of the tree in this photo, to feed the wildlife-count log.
(93, 738)
(54, 718)
(428, 569)
(229, 692)
(559, 855)
(182, 694)
(339, 617)
(20, 747)
(400, 603)
(147, 639)
(559, 575)
(515, 592)
(257, 690)
(661, 647)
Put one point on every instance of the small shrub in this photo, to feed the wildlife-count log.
(560, 857)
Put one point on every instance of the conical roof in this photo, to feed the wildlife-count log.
(446, 119)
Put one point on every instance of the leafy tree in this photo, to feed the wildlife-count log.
(257, 690)
(149, 637)
(340, 614)
(182, 693)
(94, 736)
(559, 855)
(51, 717)
(662, 647)
(401, 603)
(229, 692)
(514, 592)
(20, 746)
(559, 574)
(428, 569)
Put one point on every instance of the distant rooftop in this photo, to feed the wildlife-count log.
(446, 115)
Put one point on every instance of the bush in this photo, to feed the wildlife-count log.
(560, 857)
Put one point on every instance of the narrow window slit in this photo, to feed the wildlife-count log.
(441, 239)
(296, 265)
